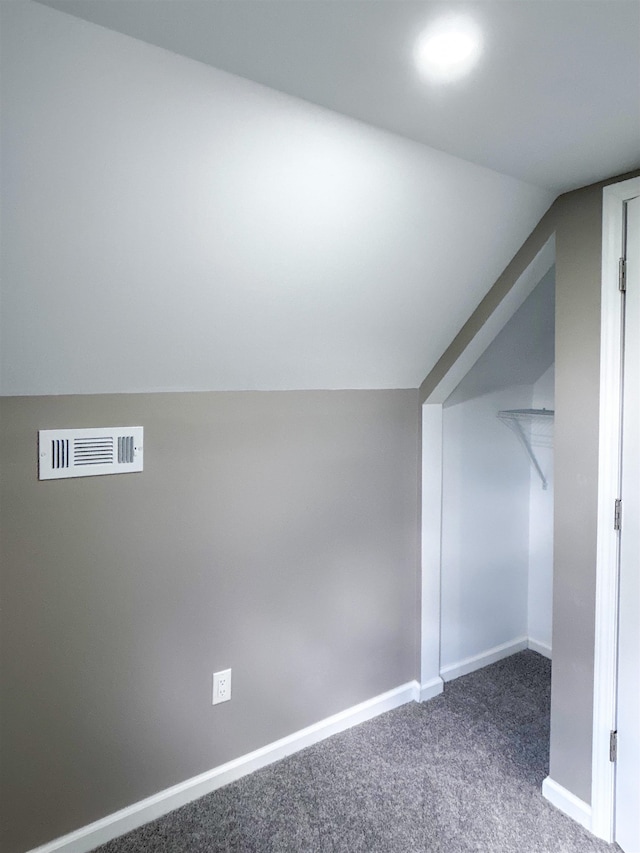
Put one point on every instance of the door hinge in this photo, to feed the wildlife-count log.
(622, 275)
(613, 746)
(617, 515)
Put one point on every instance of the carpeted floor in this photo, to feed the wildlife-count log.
(457, 774)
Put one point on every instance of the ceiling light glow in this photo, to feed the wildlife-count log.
(448, 49)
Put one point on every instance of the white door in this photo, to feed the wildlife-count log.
(627, 810)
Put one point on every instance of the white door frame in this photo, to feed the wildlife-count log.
(606, 627)
(430, 678)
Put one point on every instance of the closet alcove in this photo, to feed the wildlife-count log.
(497, 495)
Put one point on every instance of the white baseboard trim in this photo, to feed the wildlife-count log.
(430, 689)
(541, 648)
(464, 667)
(572, 806)
(94, 834)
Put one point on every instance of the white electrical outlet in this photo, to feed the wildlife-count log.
(221, 686)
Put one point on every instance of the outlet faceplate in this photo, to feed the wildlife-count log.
(221, 686)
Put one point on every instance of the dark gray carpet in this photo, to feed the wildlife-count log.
(459, 774)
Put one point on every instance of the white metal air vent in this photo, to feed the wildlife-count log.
(89, 452)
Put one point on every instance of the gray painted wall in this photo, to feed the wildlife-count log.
(274, 533)
(577, 388)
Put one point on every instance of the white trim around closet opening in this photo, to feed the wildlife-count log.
(606, 627)
(431, 542)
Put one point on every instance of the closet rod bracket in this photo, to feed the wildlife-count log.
(531, 426)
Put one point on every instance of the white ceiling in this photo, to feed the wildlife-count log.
(168, 225)
(555, 100)
(521, 353)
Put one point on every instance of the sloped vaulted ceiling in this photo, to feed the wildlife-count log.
(554, 99)
(170, 226)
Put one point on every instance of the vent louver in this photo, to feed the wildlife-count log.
(67, 453)
(125, 448)
(60, 453)
(93, 451)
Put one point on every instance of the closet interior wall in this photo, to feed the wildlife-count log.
(497, 520)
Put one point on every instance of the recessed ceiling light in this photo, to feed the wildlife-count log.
(448, 49)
